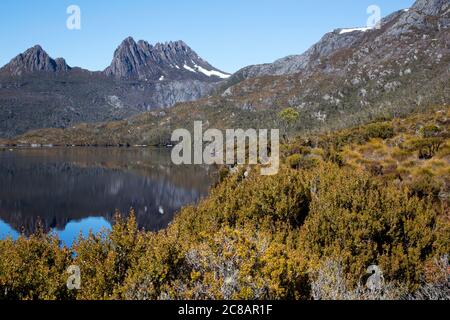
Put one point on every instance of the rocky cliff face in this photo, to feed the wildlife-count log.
(432, 7)
(164, 61)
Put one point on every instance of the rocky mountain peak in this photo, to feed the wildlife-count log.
(129, 60)
(35, 59)
(163, 61)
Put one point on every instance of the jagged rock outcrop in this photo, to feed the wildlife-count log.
(163, 61)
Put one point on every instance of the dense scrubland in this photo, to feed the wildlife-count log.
(377, 194)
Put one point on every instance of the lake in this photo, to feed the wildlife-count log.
(73, 190)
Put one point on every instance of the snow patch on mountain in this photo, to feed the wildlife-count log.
(213, 73)
(364, 29)
(189, 68)
(209, 73)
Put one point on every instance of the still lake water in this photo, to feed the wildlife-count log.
(73, 190)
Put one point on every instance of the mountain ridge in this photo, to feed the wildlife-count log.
(131, 61)
(402, 21)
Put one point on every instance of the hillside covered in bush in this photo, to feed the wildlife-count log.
(372, 195)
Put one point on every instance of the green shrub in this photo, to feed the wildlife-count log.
(105, 258)
(34, 268)
(363, 221)
(294, 161)
(378, 130)
(426, 185)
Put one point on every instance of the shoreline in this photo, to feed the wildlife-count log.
(3, 147)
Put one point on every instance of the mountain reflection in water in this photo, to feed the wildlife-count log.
(69, 190)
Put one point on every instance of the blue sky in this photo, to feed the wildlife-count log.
(230, 34)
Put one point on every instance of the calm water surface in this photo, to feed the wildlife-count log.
(73, 190)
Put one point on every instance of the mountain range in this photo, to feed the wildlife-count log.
(351, 76)
(37, 91)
